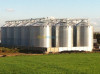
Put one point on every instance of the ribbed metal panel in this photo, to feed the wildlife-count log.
(4, 36)
(40, 36)
(84, 31)
(82, 35)
(65, 38)
(25, 36)
(17, 36)
(10, 36)
(57, 36)
(45, 33)
(63, 35)
(34, 36)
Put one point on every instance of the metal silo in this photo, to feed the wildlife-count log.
(84, 34)
(45, 33)
(17, 34)
(34, 36)
(55, 33)
(64, 35)
(25, 34)
(40, 34)
(10, 34)
(4, 34)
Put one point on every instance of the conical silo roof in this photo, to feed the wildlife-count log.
(7, 24)
(62, 23)
(22, 23)
(83, 23)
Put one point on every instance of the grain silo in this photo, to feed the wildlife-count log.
(25, 33)
(64, 34)
(10, 34)
(4, 34)
(40, 34)
(84, 34)
(17, 34)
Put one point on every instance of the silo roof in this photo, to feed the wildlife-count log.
(22, 24)
(47, 21)
(62, 23)
(40, 23)
(83, 23)
(7, 25)
(14, 24)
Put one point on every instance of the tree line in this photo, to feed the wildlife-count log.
(97, 36)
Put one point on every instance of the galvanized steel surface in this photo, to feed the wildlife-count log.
(17, 36)
(34, 33)
(25, 36)
(40, 36)
(4, 35)
(63, 35)
(10, 36)
(83, 34)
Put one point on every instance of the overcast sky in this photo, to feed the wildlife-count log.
(24, 9)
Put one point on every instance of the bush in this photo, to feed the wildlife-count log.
(8, 50)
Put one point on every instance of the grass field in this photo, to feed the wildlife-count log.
(79, 63)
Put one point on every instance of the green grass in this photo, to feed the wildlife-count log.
(79, 63)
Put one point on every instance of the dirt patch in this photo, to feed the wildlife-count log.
(25, 54)
(15, 54)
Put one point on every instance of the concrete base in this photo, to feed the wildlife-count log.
(52, 50)
(62, 49)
